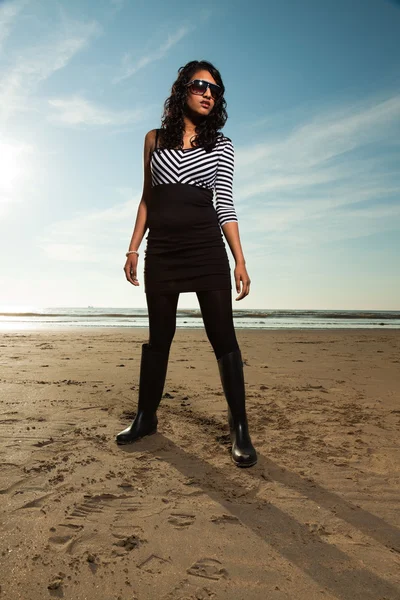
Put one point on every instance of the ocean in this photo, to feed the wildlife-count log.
(28, 318)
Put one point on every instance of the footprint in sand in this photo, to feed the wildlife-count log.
(221, 519)
(37, 502)
(119, 505)
(180, 520)
(119, 533)
(210, 568)
(15, 483)
(129, 543)
(154, 564)
(187, 590)
(60, 541)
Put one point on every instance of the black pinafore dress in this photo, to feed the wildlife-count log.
(185, 250)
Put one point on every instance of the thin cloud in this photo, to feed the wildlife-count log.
(328, 179)
(16, 169)
(130, 67)
(38, 63)
(326, 136)
(102, 232)
(320, 154)
(76, 110)
(8, 13)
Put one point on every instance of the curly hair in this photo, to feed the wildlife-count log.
(172, 122)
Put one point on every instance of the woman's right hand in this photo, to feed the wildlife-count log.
(130, 268)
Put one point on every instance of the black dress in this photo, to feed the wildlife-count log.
(185, 249)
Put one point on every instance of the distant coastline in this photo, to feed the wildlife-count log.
(58, 317)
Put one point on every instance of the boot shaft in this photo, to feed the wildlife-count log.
(153, 371)
(232, 378)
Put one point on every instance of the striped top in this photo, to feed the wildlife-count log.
(194, 166)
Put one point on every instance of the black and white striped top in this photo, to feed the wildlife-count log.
(210, 170)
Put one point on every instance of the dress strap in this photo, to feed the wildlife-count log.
(157, 132)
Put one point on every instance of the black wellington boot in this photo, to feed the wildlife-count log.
(153, 371)
(232, 377)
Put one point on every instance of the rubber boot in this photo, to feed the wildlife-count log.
(153, 371)
(232, 377)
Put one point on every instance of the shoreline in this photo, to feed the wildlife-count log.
(117, 328)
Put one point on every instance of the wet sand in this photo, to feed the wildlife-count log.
(170, 517)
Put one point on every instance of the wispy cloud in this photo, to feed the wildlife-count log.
(15, 170)
(326, 136)
(322, 172)
(8, 13)
(76, 111)
(37, 63)
(102, 232)
(130, 66)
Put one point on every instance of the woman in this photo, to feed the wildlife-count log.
(184, 162)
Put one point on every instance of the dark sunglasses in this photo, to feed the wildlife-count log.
(199, 86)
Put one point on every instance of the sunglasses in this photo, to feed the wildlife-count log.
(199, 86)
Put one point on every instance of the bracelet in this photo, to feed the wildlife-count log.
(132, 252)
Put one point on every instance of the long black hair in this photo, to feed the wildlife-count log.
(172, 123)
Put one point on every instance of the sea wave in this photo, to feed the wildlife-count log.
(196, 313)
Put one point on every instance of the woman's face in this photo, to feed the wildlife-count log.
(201, 105)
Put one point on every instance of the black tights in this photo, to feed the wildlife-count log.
(216, 310)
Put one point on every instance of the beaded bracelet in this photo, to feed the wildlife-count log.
(132, 252)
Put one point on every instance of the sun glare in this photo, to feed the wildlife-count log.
(13, 166)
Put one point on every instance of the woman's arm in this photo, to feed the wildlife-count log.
(140, 227)
(227, 216)
(231, 233)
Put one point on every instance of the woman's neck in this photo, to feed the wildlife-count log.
(191, 121)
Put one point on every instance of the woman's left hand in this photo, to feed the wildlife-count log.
(242, 277)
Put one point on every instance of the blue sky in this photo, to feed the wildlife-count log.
(313, 100)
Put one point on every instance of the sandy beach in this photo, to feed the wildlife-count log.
(170, 517)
